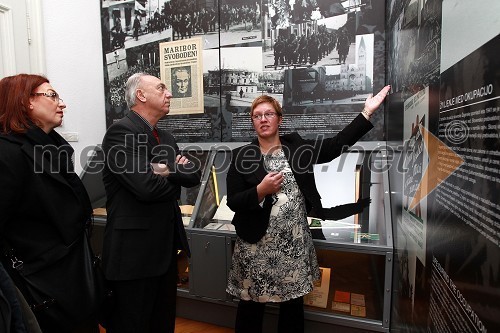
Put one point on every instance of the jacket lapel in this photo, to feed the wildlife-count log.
(142, 128)
(254, 151)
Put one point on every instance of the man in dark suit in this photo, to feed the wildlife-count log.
(143, 175)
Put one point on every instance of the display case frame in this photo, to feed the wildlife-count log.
(211, 250)
(381, 253)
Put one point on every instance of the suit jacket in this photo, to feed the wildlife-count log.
(247, 171)
(41, 213)
(144, 223)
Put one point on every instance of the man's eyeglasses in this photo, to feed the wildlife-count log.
(267, 115)
(55, 96)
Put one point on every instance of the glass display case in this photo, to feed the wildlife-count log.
(91, 177)
(211, 235)
(200, 155)
(354, 253)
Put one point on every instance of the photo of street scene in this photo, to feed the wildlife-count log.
(240, 78)
(240, 22)
(322, 42)
(346, 83)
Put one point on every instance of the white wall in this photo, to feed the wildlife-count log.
(73, 55)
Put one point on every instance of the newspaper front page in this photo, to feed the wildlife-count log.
(181, 70)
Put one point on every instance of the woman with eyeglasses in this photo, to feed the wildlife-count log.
(44, 208)
(271, 189)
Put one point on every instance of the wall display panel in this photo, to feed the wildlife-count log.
(132, 32)
(320, 61)
(244, 56)
(442, 120)
(310, 122)
(467, 201)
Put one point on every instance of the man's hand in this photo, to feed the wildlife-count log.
(179, 159)
(163, 170)
(160, 169)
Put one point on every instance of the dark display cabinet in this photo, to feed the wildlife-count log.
(355, 254)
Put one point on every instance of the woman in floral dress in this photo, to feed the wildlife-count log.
(271, 189)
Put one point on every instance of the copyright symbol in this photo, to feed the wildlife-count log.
(457, 132)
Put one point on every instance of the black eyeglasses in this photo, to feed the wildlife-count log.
(55, 96)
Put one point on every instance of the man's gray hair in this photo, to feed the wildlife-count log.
(131, 87)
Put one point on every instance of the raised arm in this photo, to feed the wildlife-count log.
(372, 103)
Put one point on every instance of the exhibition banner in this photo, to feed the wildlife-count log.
(443, 120)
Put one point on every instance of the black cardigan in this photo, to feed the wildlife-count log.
(247, 171)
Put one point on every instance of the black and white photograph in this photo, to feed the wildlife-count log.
(181, 81)
(240, 22)
(307, 10)
(321, 42)
(145, 58)
(235, 94)
(211, 78)
(339, 84)
(135, 22)
(190, 18)
(283, 13)
(415, 45)
(131, 23)
(116, 63)
(130, 45)
(241, 77)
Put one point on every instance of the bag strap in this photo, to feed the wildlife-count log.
(14, 267)
(89, 227)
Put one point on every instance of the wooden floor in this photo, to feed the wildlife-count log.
(183, 325)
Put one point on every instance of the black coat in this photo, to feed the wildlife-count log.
(247, 171)
(41, 212)
(44, 209)
(144, 223)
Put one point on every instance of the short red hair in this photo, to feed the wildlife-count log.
(267, 99)
(15, 93)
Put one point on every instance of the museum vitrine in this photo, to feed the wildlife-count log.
(354, 250)
(91, 177)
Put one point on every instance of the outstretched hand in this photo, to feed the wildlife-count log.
(343, 211)
(373, 102)
(364, 202)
